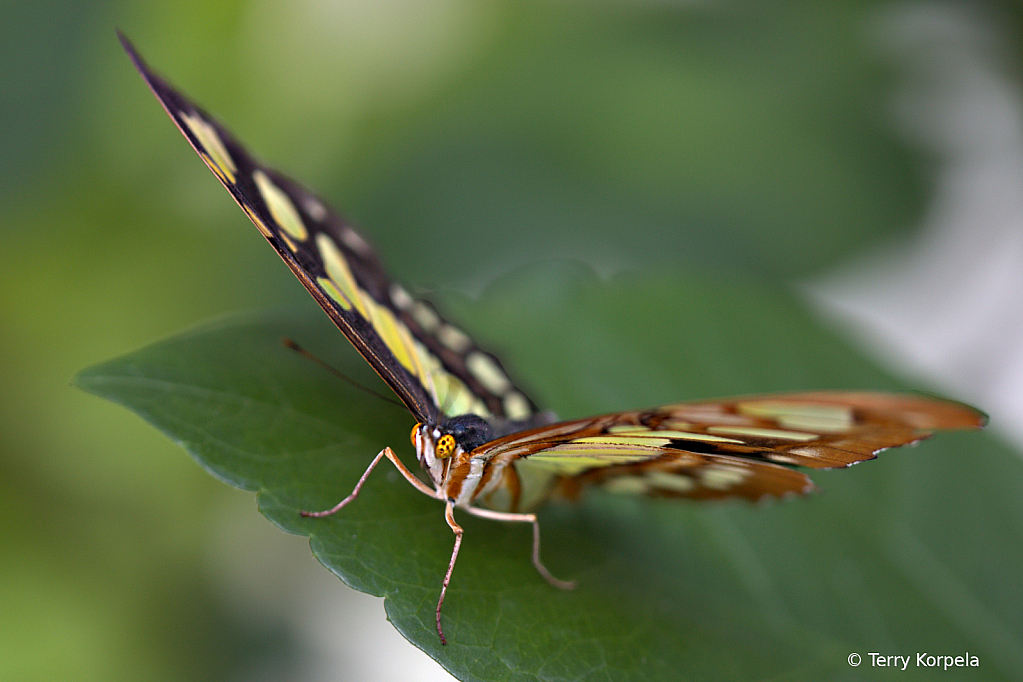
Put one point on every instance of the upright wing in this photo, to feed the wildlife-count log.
(433, 366)
(736, 447)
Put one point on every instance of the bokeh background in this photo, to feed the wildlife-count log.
(866, 154)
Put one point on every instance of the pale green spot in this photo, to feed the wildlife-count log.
(633, 430)
(425, 316)
(394, 334)
(399, 297)
(684, 416)
(213, 149)
(448, 390)
(332, 291)
(568, 465)
(569, 459)
(453, 396)
(820, 417)
(454, 338)
(626, 485)
(337, 269)
(314, 208)
(487, 373)
(281, 208)
(811, 452)
(720, 477)
(653, 439)
(818, 424)
(516, 406)
(354, 241)
(673, 482)
(690, 435)
(287, 241)
(757, 432)
(626, 428)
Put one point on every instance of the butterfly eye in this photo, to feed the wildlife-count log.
(415, 429)
(445, 446)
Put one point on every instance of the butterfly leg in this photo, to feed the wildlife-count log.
(449, 516)
(527, 518)
(389, 454)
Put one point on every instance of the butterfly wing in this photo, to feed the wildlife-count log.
(738, 447)
(434, 367)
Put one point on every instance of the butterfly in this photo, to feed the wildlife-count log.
(485, 447)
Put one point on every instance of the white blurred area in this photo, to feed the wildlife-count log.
(944, 309)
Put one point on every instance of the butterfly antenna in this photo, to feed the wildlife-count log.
(288, 343)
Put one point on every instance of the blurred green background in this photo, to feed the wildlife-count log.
(769, 141)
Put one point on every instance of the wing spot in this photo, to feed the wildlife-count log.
(810, 451)
(757, 432)
(632, 429)
(676, 483)
(650, 440)
(454, 338)
(626, 485)
(287, 241)
(399, 297)
(625, 428)
(332, 291)
(798, 415)
(354, 241)
(488, 373)
(425, 315)
(450, 393)
(704, 415)
(212, 147)
(337, 269)
(706, 437)
(395, 335)
(314, 208)
(281, 208)
(516, 406)
(569, 459)
(719, 477)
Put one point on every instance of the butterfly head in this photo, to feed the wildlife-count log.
(443, 447)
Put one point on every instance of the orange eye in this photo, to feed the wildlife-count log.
(445, 446)
(415, 429)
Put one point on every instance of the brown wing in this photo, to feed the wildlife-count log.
(736, 447)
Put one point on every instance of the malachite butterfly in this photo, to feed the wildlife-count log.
(482, 442)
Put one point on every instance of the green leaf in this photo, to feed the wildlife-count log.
(919, 551)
